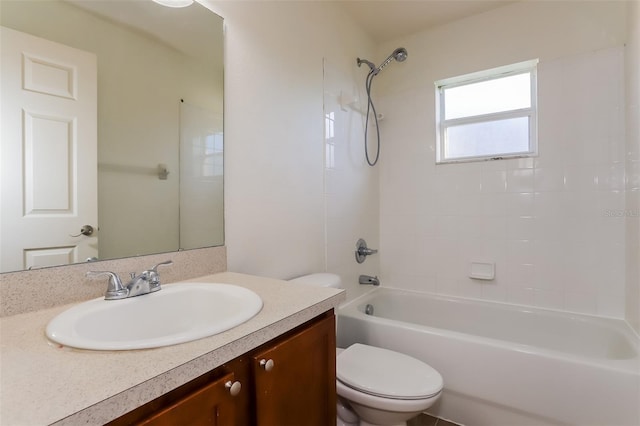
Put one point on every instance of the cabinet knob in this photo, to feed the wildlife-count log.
(267, 364)
(234, 387)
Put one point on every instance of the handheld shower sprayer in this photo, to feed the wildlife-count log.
(399, 55)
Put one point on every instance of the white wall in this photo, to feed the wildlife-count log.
(274, 125)
(351, 186)
(633, 165)
(285, 217)
(542, 220)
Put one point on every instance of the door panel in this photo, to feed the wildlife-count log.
(49, 77)
(300, 388)
(211, 405)
(57, 256)
(49, 148)
(48, 152)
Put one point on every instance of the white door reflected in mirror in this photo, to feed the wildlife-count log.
(149, 57)
(48, 151)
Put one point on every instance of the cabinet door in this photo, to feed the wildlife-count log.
(212, 404)
(298, 387)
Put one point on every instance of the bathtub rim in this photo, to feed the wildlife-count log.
(628, 365)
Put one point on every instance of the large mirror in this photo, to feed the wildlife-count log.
(112, 137)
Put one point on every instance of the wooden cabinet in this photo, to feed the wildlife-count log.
(212, 404)
(290, 380)
(295, 378)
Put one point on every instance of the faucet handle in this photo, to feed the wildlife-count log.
(154, 277)
(362, 251)
(166, 262)
(115, 289)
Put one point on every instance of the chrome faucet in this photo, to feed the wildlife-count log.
(369, 280)
(146, 282)
(140, 285)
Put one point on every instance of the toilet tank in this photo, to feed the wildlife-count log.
(323, 279)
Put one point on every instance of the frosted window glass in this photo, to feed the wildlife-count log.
(485, 97)
(509, 136)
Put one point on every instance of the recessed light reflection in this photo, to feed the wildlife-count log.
(174, 3)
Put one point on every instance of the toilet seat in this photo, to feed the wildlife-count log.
(354, 397)
(387, 374)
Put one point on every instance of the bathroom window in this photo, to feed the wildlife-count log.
(330, 141)
(212, 155)
(487, 115)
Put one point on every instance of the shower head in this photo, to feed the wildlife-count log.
(400, 55)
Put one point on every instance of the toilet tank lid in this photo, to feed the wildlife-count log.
(323, 279)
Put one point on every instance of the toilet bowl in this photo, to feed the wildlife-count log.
(385, 387)
(381, 386)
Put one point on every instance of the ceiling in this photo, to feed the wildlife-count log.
(382, 20)
(386, 20)
(192, 30)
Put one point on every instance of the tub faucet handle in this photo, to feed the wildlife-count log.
(362, 251)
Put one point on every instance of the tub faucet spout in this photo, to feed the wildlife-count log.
(369, 280)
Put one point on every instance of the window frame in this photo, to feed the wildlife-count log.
(531, 112)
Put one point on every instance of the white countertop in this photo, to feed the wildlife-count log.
(42, 383)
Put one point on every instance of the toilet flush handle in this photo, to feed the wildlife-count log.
(267, 364)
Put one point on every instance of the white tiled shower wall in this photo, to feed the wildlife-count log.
(551, 223)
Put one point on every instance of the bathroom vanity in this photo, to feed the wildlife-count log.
(283, 360)
(289, 380)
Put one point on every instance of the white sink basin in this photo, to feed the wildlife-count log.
(176, 314)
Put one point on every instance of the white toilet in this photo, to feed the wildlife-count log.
(383, 387)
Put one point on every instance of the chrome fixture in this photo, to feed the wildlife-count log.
(163, 172)
(368, 309)
(86, 230)
(400, 55)
(369, 280)
(362, 251)
(146, 282)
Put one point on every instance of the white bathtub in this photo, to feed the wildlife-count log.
(504, 364)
